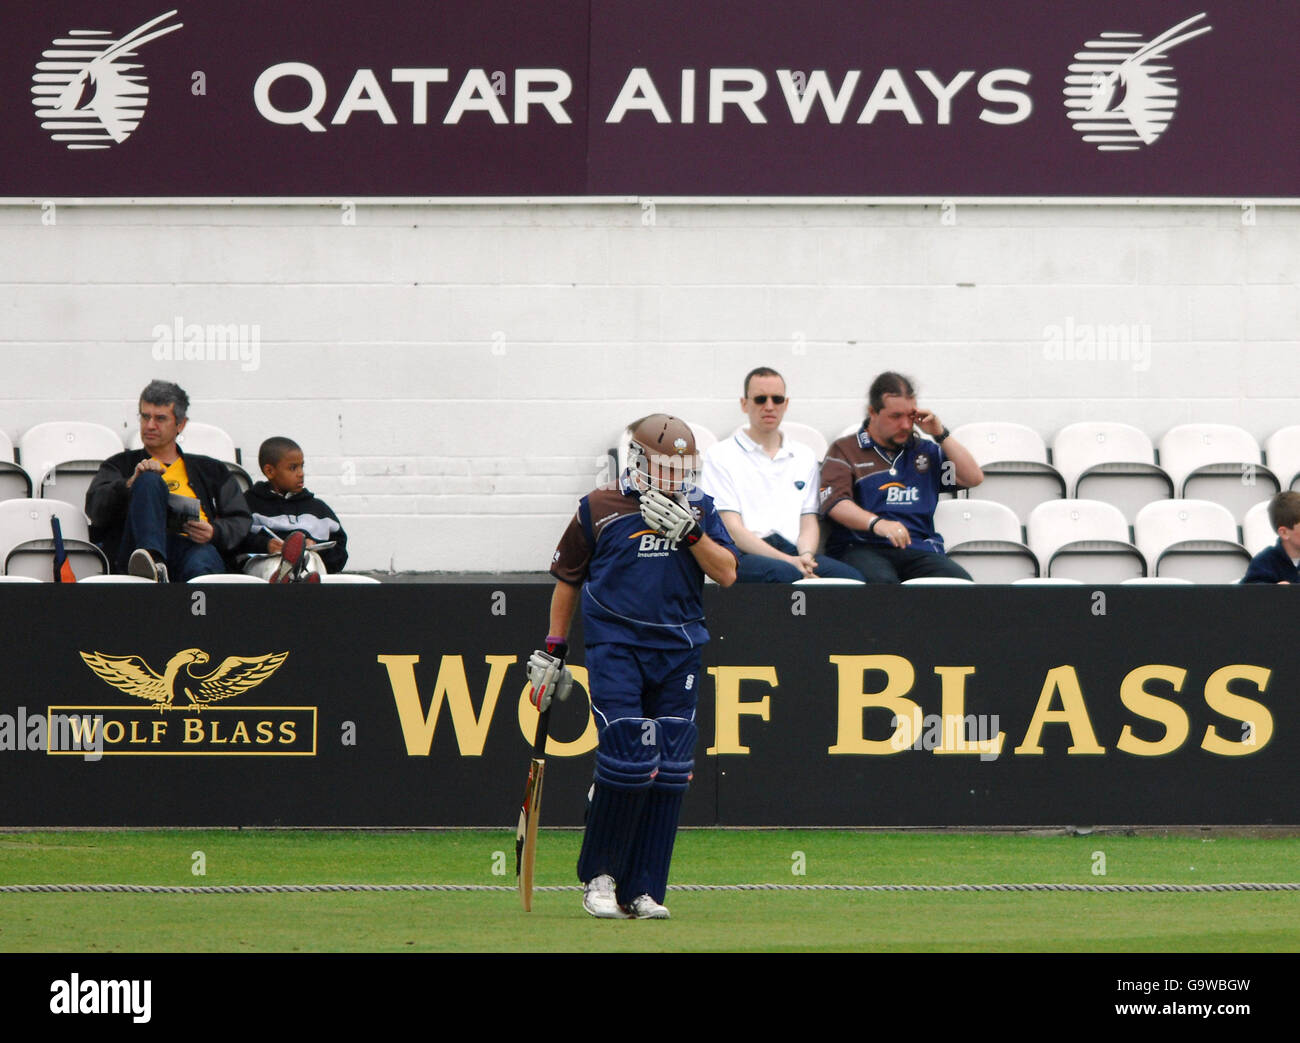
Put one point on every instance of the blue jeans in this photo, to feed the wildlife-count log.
(146, 526)
(755, 568)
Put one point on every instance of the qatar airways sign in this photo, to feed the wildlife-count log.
(740, 89)
(897, 98)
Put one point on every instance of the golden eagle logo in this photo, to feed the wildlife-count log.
(135, 677)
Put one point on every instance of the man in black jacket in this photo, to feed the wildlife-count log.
(158, 512)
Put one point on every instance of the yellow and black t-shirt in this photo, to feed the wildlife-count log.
(178, 482)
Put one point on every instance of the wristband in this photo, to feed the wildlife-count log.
(941, 436)
(871, 529)
(557, 646)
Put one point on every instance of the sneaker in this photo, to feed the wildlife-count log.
(643, 907)
(598, 899)
(292, 559)
(142, 564)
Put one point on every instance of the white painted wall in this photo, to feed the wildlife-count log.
(455, 373)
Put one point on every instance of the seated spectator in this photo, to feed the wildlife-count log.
(1279, 563)
(289, 522)
(764, 486)
(881, 485)
(159, 513)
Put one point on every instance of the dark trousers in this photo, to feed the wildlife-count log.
(146, 526)
(886, 564)
(755, 568)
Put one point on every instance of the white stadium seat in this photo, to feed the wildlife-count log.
(1282, 449)
(1217, 462)
(27, 539)
(984, 538)
(1256, 533)
(1191, 539)
(15, 483)
(809, 436)
(1083, 539)
(62, 457)
(703, 437)
(1112, 462)
(29, 519)
(1014, 460)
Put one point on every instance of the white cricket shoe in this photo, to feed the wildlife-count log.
(643, 907)
(598, 899)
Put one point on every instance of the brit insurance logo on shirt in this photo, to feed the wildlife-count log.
(897, 493)
(89, 89)
(652, 545)
(1120, 93)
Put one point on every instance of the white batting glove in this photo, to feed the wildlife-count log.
(669, 518)
(549, 677)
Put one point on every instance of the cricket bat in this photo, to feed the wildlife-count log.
(526, 832)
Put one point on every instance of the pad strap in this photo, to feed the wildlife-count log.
(623, 759)
(677, 737)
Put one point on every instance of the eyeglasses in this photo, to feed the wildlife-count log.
(777, 400)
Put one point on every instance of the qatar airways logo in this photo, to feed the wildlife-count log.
(90, 89)
(298, 94)
(1121, 92)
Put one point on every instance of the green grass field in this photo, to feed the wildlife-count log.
(492, 921)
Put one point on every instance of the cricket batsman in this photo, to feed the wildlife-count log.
(635, 555)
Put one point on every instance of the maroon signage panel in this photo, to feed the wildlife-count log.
(1162, 99)
(295, 99)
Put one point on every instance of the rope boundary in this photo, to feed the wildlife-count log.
(683, 888)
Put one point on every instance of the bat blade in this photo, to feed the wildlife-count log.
(526, 833)
(529, 815)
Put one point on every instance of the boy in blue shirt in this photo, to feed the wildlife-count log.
(1279, 563)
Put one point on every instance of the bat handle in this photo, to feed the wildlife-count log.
(539, 741)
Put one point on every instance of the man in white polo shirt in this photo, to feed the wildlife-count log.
(764, 487)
